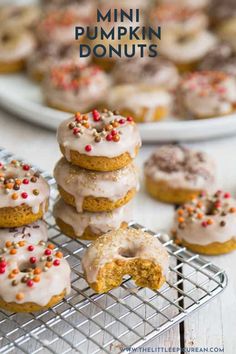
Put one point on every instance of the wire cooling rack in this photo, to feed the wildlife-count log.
(126, 317)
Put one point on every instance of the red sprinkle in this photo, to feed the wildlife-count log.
(2, 270)
(56, 263)
(47, 252)
(33, 259)
(30, 283)
(130, 119)
(122, 121)
(109, 137)
(96, 115)
(30, 248)
(204, 224)
(113, 132)
(227, 195)
(25, 181)
(3, 264)
(76, 130)
(26, 167)
(88, 148)
(24, 195)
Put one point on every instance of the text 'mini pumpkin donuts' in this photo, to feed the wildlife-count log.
(123, 252)
(32, 277)
(207, 224)
(175, 174)
(23, 194)
(100, 141)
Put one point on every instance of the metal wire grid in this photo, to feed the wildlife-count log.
(126, 317)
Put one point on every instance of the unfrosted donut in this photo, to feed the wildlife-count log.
(123, 252)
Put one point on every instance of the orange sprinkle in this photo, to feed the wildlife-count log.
(9, 186)
(209, 221)
(48, 264)
(180, 212)
(59, 254)
(8, 244)
(20, 296)
(232, 210)
(86, 125)
(18, 181)
(13, 251)
(199, 204)
(37, 271)
(180, 220)
(14, 196)
(51, 246)
(21, 243)
(15, 271)
(11, 276)
(36, 279)
(199, 215)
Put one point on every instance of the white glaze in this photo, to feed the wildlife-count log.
(33, 201)
(129, 139)
(83, 183)
(32, 233)
(181, 168)
(53, 281)
(18, 47)
(99, 223)
(112, 245)
(195, 233)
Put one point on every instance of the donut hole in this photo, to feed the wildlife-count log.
(25, 267)
(184, 39)
(6, 37)
(127, 252)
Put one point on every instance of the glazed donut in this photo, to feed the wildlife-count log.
(159, 73)
(207, 224)
(207, 94)
(175, 174)
(48, 56)
(70, 87)
(19, 16)
(187, 51)
(15, 48)
(89, 226)
(23, 195)
(123, 252)
(33, 277)
(144, 104)
(227, 31)
(99, 141)
(33, 233)
(177, 20)
(95, 191)
(193, 4)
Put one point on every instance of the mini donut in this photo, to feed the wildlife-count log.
(32, 277)
(144, 104)
(227, 31)
(48, 56)
(99, 141)
(71, 87)
(178, 20)
(192, 4)
(19, 16)
(187, 51)
(159, 73)
(15, 48)
(123, 252)
(33, 233)
(95, 191)
(208, 224)
(175, 174)
(206, 94)
(23, 195)
(87, 225)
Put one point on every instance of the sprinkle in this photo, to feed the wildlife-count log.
(209, 222)
(47, 252)
(33, 260)
(25, 181)
(2, 270)
(8, 244)
(14, 196)
(37, 271)
(24, 195)
(24, 279)
(13, 251)
(59, 254)
(199, 215)
(3, 264)
(21, 243)
(222, 223)
(96, 115)
(88, 148)
(11, 276)
(204, 224)
(20, 296)
(16, 271)
(56, 263)
(51, 246)
(232, 210)
(36, 279)
(48, 264)
(14, 282)
(116, 138)
(130, 119)
(35, 191)
(26, 167)
(122, 121)
(109, 137)
(30, 248)
(30, 283)
(180, 220)
(227, 195)
(180, 212)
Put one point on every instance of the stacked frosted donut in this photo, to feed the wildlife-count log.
(96, 177)
(30, 279)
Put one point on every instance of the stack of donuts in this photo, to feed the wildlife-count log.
(33, 275)
(96, 176)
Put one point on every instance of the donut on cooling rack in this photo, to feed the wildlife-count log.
(71, 87)
(32, 277)
(207, 94)
(95, 191)
(87, 225)
(208, 224)
(175, 174)
(100, 140)
(33, 233)
(15, 48)
(144, 104)
(123, 252)
(23, 195)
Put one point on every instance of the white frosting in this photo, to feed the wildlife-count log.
(181, 168)
(129, 138)
(208, 94)
(92, 87)
(17, 172)
(123, 245)
(16, 46)
(53, 280)
(83, 183)
(137, 98)
(99, 223)
(194, 233)
(191, 49)
(32, 233)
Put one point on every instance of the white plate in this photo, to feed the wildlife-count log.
(23, 98)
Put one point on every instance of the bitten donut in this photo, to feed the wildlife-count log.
(89, 226)
(33, 233)
(99, 141)
(175, 174)
(15, 48)
(207, 94)
(144, 104)
(32, 277)
(207, 224)
(95, 191)
(122, 252)
(158, 73)
(23, 195)
(71, 87)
